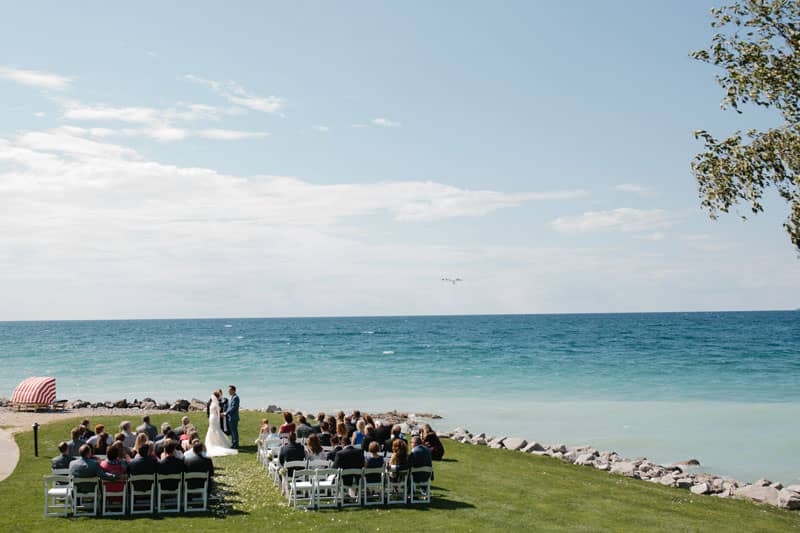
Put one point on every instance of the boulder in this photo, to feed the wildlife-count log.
(625, 468)
(762, 483)
(788, 499)
(273, 409)
(80, 404)
(197, 405)
(586, 459)
(496, 442)
(108, 405)
(777, 485)
(533, 447)
(121, 404)
(758, 493)
(688, 462)
(478, 441)
(148, 404)
(557, 455)
(163, 406)
(571, 456)
(558, 448)
(514, 443)
(180, 405)
(684, 483)
(794, 488)
(602, 466)
(668, 481)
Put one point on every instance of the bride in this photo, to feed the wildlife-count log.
(217, 442)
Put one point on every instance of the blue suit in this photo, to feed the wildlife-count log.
(232, 415)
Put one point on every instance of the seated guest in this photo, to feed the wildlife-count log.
(341, 431)
(183, 429)
(293, 451)
(369, 421)
(102, 441)
(314, 450)
(324, 434)
(113, 464)
(336, 447)
(373, 459)
(94, 439)
(382, 433)
(369, 437)
(396, 435)
(351, 427)
(270, 437)
(165, 428)
(264, 429)
(170, 464)
(288, 426)
(399, 459)
(147, 428)
(126, 452)
(360, 432)
(420, 456)
(130, 438)
(317, 428)
(349, 457)
(159, 444)
(61, 461)
(141, 439)
(76, 442)
(431, 440)
(86, 433)
(187, 440)
(143, 464)
(86, 466)
(303, 427)
(190, 452)
(198, 462)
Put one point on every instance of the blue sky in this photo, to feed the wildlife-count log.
(323, 158)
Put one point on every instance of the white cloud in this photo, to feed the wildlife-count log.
(320, 127)
(634, 189)
(624, 219)
(39, 114)
(35, 78)
(102, 112)
(230, 135)
(385, 123)
(236, 94)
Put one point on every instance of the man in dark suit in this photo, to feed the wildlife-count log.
(87, 467)
(324, 434)
(160, 445)
(317, 428)
(349, 457)
(180, 430)
(232, 416)
(420, 456)
(397, 433)
(382, 433)
(303, 427)
(147, 428)
(293, 451)
(143, 464)
(165, 428)
(170, 465)
(61, 461)
(197, 462)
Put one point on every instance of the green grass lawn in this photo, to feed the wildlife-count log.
(475, 489)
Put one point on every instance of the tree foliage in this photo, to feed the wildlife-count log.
(757, 45)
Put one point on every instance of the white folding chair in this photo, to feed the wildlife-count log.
(195, 498)
(57, 494)
(85, 494)
(318, 463)
(397, 488)
(169, 500)
(274, 470)
(301, 491)
(142, 501)
(288, 468)
(372, 489)
(327, 487)
(114, 501)
(421, 490)
(350, 494)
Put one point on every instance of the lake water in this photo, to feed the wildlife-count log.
(720, 387)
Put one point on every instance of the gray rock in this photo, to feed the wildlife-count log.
(514, 443)
(585, 459)
(668, 481)
(788, 499)
(533, 447)
(497, 442)
(163, 406)
(762, 483)
(197, 405)
(571, 456)
(777, 485)
(684, 483)
(625, 468)
(557, 455)
(602, 466)
(121, 404)
(478, 441)
(794, 488)
(758, 493)
(688, 462)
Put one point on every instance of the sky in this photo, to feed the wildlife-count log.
(195, 159)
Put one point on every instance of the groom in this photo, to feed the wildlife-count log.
(232, 416)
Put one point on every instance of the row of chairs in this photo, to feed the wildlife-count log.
(88, 496)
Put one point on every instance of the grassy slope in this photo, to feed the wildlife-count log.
(475, 489)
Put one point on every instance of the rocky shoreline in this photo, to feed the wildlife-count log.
(676, 475)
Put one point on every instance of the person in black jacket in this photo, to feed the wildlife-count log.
(325, 434)
(61, 461)
(349, 457)
(293, 451)
(170, 465)
(397, 433)
(143, 464)
(420, 456)
(197, 462)
(382, 432)
(303, 428)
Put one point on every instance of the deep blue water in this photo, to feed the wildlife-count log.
(567, 376)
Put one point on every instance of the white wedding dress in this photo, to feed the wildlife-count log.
(217, 443)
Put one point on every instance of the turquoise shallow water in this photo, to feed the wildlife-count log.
(722, 387)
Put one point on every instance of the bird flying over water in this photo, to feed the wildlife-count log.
(452, 280)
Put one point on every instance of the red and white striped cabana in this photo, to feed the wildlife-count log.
(34, 393)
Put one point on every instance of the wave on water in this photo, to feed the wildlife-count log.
(388, 352)
(228, 326)
(367, 332)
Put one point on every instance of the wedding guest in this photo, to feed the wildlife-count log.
(76, 442)
(271, 437)
(165, 428)
(303, 427)
(351, 427)
(349, 457)
(336, 447)
(317, 428)
(360, 432)
(373, 460)
(141, 440)
(399, 459)
(115, 465)
(183, 428)
(264, 429)
(198, 462)
(293, 451)
(147, 428)
(369, 421)
(187, 440)
(369, 437)
(86, 433)
(86, 466)
(341, 430)
(62, 460)
(170, 464)
(190, 452)
(102, 441)
(160, 444)
(119, 438)
(143, 464)
(431, 440)
(314, 450)
(94, 439)
(420, 456)
(130, 438)
(396, 435)
(325, 434)
(288, 425)
(382, 433)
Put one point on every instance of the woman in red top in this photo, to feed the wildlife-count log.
(114, 465)
(289, 426)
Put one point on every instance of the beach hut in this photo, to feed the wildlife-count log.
(34, 393)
